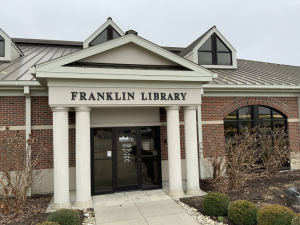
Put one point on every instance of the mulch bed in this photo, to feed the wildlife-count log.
(262, 192)
(32, 212)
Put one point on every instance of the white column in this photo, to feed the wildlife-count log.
(200, 140)
(191, 150)
(174, 156)
(61, 158)
(83, 159)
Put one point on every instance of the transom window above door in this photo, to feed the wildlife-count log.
(214, 52)
(246, 118)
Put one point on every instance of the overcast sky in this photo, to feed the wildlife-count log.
(261, 30)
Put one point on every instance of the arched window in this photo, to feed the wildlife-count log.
(244, 119)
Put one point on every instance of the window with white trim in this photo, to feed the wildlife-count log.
(214, 52)
(2, 46)
(108, 34)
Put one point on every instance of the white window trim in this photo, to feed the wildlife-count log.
(232, 49)
(99, 31)
(8, 43)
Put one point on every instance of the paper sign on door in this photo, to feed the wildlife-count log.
(108, 153)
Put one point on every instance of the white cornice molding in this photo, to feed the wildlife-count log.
(99, 30)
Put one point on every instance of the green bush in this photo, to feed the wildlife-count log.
(65, 217)
(215, 204)
(242, 212)
(296, 220)
(48, 223)
(275, 215)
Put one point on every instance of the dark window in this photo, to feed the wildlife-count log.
(214, 52)
(2, 46)
(108, 34)
(266, 118)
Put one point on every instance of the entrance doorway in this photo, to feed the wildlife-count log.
(125, 158)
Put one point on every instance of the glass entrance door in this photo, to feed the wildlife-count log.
(127, 159)
(124, 159)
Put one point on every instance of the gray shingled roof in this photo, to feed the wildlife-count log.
(190, 48)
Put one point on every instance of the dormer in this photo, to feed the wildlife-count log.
(8, 49)
(211, 51)
(108, 31)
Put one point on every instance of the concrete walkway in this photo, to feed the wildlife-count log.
(139, 208)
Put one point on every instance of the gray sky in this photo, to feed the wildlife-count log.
(261, 30)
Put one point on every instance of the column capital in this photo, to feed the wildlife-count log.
(82, 109)
(172, 108)
(190, 108)
(60, 109)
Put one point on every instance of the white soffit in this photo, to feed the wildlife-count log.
(99, 31)
(203, 40)
(11, 50)
(53, 65)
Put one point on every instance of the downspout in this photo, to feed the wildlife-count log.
(28, 125)
(200, 140)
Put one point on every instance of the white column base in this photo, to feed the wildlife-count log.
(176, 193)
(61, 206)
(197, 191)
(84, 205)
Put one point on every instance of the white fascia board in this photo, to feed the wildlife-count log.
(99, 30)
(131, 76)
(18, 50)
(116, 43)
(249, 87)
(19, 83)
(108, 72)
(204, 39)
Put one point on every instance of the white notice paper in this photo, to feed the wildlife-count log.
(146, 145)
(108, 153)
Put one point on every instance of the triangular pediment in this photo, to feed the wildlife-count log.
(128, 50)
(130, 53)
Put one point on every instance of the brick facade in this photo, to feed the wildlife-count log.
(213, 109)
(217, 108)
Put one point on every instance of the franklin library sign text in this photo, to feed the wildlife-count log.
(121, 96)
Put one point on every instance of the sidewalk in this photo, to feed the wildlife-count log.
(139, 208)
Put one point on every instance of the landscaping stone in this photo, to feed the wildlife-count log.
(201, 219)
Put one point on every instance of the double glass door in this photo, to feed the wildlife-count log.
(125, 159)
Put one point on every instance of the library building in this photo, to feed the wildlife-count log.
(121, 113)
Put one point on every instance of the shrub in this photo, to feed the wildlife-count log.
(275, 215)
(65, 217)
(296, 220)
(242, 212)
(215, 204)
(48, 223)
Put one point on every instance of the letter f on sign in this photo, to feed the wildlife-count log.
(74, 95)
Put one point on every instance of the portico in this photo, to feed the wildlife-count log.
(121, 151)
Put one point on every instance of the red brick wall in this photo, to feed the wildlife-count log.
(12, 111)
(216, 108)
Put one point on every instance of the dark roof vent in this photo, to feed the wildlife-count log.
(131, 32)
(109, 18)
